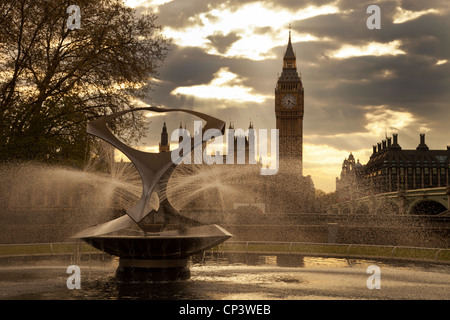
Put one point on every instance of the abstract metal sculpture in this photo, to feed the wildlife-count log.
(167, 249)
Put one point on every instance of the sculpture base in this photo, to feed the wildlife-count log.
(159, 256)
(130, 270)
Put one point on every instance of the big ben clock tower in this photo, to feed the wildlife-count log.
(289, 108)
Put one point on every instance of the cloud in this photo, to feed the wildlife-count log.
(359, 83)
(403, 15)
(145, 3)
(225, 85)
(380, 120)
(221, 42)
(374, 123)
(236, 31)
(420, 5)
(182, 13)
(370, 49)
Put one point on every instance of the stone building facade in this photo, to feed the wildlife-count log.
(392, 168)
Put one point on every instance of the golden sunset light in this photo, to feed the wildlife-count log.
(255, 31)
(227, 152)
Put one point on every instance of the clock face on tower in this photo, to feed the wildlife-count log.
(289, 101)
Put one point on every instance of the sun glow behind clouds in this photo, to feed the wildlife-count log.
(370, 49)
(403, 15)
(381, 119)
(323, 161)
(224, 86)
(145, 3)
(246, 22)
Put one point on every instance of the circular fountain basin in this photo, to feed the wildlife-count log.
(157, 256)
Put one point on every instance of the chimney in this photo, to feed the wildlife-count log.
(384, 144)
(389, 142)
(422, 138)
(395, 145)
(422, 145)
(379, 146)
(375, 149)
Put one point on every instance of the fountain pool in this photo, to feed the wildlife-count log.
(317, 279)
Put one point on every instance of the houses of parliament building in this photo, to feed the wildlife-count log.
(287, 191)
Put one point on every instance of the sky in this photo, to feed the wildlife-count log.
(360, 84)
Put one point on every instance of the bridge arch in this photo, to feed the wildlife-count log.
(427, 207)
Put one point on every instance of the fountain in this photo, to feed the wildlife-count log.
(152, 240)
(155, 243)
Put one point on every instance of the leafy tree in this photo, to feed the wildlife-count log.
(53, 79)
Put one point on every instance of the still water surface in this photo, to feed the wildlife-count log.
(317, 279)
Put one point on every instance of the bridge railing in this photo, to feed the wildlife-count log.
(440, 191)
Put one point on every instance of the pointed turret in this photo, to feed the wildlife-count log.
(289, 73)
(164, 145)
(289, 54)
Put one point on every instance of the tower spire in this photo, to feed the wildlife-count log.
(289, 54)
(289, 32)
(164, 145)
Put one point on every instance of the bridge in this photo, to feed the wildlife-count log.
(430, 201)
